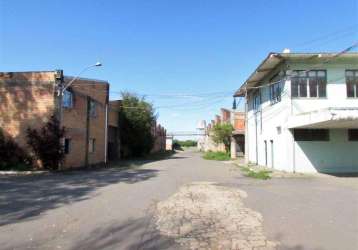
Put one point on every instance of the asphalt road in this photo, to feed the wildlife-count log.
(112, 208)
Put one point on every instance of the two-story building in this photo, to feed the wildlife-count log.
(28, 99)
(302, 112)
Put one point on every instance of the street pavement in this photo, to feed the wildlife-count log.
(123, 209)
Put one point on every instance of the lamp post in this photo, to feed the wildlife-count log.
(98, 64)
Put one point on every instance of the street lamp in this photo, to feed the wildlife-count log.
(97, 64)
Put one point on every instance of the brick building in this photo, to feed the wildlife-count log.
(28, 99)
(237, 119)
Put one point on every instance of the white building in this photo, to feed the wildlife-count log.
(302, 112)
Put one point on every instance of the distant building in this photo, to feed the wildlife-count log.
(237, 119)
(160, 135)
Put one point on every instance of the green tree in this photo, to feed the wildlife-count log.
(136, 119)
(222, 134)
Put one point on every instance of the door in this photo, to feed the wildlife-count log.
(272, 154)
(265, 142)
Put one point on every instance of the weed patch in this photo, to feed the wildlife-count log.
(258, 174)
(217, 156)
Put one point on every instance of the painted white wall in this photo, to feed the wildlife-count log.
(333, 156)
(336, 155)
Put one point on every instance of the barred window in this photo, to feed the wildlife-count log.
(67, 145)
(92, 109)
(352, 83)
(67, 100)
(352, 134)
(275, 92)
(311, 134)
(91, 145)
(311, 83)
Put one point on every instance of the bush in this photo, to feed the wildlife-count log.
(135, 122)
(12, 156)
(187, 143)
(218, 156)
(46, 144)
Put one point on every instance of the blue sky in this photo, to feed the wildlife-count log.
(172, 51)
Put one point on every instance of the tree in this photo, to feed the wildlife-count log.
(46, 143)
(136, 119)
(222, 134)
(12, 156)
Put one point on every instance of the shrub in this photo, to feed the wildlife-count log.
(46, 144)
(218, 156)
(12, 156)
(186, 143)
(135, 122)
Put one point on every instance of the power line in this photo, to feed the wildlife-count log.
(331, 36)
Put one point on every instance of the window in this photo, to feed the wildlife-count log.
(67, 100)
(91, 145)
(92, 109)
(67, 146)
(352, 134)
(352, 83)
(257, 100)
(308, 83)
(311, 134)
(275, 92)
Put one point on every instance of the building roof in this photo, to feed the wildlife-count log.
(273, 60)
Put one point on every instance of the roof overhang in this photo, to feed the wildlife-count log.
(330, 118)
(273, 60)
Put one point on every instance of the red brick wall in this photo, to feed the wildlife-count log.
(74, 120)
(26, 100)
(225, 114)
(239, 121)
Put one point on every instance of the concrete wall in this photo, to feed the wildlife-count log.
(268, 123)
(334, 156)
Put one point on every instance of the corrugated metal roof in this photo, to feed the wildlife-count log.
(273, 60)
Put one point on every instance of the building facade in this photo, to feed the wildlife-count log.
(29, 99)
(237, 120)
(302, 112)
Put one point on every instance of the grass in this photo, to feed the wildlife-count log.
(258, 174)
(16, 167)
(217, 156)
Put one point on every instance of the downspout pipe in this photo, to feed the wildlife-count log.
(106, 129)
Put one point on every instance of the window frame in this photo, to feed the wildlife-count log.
(92, 109)
(91, 145)
(355, 83)
(67, 96)
(256, 100)
(67, 146)
(275, 92)
(353, 137)
(304, 84)
(310, 136)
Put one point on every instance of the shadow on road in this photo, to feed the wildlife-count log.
(168, 155)
(27, 197)
(134, 234)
